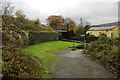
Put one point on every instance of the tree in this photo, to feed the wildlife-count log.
(56, 22)
(37, 22)
(79, 31)
(54, 25)
(19, 14)
(82, 27)
(7, 8)
(7, 12)
(87, 27)
(69, 24)
(66, 24)
(20, 19)
(83, 22)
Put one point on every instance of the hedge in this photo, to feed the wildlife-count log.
(35, 38)
(88, 38)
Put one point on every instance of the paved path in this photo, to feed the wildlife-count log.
(74, 65)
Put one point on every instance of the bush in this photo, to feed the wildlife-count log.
(87, 37)
(80, 38)
(105, 51)
(106, 40)
(14, 37)
(73, 49)
(80, 46)
(16, 64)
(90, 38)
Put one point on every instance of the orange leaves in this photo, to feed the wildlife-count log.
(56, 19)
(72, 25)
(11, 63)
(22, 65)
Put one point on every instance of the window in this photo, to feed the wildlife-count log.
(99, 33)
(90, 33)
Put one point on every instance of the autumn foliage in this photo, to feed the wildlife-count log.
(16, 64)
(58, 22)
(15, 36)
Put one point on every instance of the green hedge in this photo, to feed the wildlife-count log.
(35, 38)
(88, 38)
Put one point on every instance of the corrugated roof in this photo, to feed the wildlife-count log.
(101, 28)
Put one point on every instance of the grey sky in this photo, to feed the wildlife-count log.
(94, 11)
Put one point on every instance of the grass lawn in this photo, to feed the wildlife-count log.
(42, 50)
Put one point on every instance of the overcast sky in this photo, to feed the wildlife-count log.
(94, 11)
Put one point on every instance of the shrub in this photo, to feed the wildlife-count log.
(105, 51)
(80, 46)
(15, 36)
(16, 64)
(87, 37)
(90, 38)
(73, 49)
(80, 38)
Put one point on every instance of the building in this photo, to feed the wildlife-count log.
(110, 31)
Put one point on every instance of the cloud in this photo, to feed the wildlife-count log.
(94, 11)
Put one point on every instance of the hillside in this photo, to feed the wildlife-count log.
(106, 24)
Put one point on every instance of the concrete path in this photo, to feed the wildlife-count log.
(74, 65)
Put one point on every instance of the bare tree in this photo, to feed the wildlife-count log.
(83, 22)
(19, 14)
(7, 8)
(87, 23)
